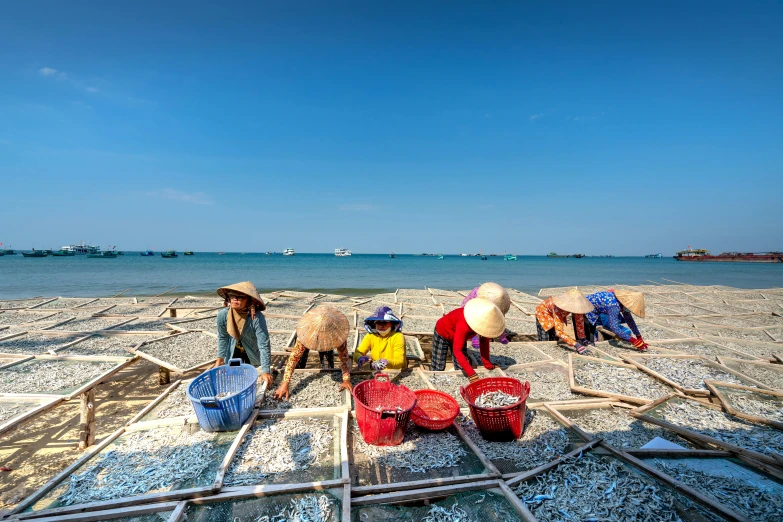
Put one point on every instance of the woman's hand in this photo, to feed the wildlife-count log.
(267, 378)
(219, 362)
(282, 392)
(346, 385)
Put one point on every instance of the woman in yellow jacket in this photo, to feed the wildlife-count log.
(384, 344)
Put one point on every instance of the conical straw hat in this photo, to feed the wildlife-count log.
(634, 301)
(573, 301)
(323, 329)
(246, 288)
(495, 294)
(484, 318)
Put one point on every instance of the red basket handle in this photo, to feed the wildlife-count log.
(462, 392)
(382, 377)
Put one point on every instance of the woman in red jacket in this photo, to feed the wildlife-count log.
(454, 330)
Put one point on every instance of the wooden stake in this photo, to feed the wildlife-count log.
(164, 375)
(87, 420)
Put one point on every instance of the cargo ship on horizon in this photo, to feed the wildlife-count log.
(702, 255)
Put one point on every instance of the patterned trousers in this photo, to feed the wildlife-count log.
(545, 335)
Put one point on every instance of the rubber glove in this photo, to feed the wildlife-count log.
(362, 360)
(475, 342)
(503, 339)
(379, 365)
(581, 346)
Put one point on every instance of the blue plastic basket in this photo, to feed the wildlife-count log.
(225, 413)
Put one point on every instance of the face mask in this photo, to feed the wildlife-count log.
(383, 333)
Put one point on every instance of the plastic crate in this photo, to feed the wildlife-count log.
(498, 424)
(434, 410)
(228, 413)
(383, 410)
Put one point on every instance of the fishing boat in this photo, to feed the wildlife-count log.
(342, 252)
(578, 256)
(653, 256)
(147, 253)
(9, 252)
(189, 253)
(509, 257)
(106, 254)
(82, 249)
(269, 253)
(221, 253)
(168, 254)
(392, 255)
(63, 253)
(702, 255)
(289, 252)
(2, 253)
(440, 256)
(35, 253)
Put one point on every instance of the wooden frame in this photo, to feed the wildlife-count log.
(696, 392)
(600, 393)
(122, 362)
(345, 394)
(547, 366)
(712, 330)
(770, 344)
(44, 403)
(175, 325)
(107, 333)
(49, 333)
(13, 358)
(401, 497)
(120, 502)
(729, 408)
(761, 364)
(694, 435)
(61, 297)
(475, 357)
(49, 327)
(46, 300)
(703, 340)
(137, 419)
(113, 514)
(139, 351)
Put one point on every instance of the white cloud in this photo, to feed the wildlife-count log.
(195, 198)
(357, 207)
(534, 117)
(91, 89)
(47, 71)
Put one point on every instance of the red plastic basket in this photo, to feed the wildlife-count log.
(383, 410)
(434, 410)
(498, 424)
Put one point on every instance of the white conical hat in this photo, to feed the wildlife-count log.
(496, 294)
(634, 301)
(484, 318)
(573, 301)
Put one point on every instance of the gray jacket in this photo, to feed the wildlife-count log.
(255, 340)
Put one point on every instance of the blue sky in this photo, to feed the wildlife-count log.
(596, 127)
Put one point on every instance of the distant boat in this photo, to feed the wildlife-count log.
(189, 253)
(107, 254)
(7, 251)
(579, 256)
(392, 255)
(510, 257)
(342, 252)
(120, 253)
(82, 248)
(269, 253)
(168, 254)
(221, 253)
(147, 253)
(63, 253)
(440, 256)
(289, 252)
(654, 256)
(35, 253)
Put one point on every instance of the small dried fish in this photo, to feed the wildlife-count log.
(308, 390)
(751, 498)
(496, 399)
(89, 324)
(37, 343)
(722, 426)
(617, 379)
(49, 376)
(620, 429)
(545, 384)
(176, 404)
(9, 411)
(114, 345)
(420, 450)
(146, 325)
(208, 324)
(689, 373)
(275, 447)
(183, 351)
(145, 461)
(24, 303)
(441, 514)
(769, 374)
(769, 407)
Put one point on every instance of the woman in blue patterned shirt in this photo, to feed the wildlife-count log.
(613, 308)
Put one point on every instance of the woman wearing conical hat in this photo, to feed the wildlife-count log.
(498, 296)
(242, 331)
(552, 314)
(322, 329)
(452, 332)
(613, 308)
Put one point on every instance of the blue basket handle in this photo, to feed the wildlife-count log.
(210, 403)
(235, 362)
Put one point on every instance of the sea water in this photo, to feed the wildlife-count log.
(359, 274)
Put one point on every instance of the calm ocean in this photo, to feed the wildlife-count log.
(361, 273)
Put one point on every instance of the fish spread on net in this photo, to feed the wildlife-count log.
(42, 376)
(37, 343)
(657, 333)
(13, 318)
(279, 342)
(64, 302)
(721, 426)
(183, 351)
(450, 384)
(619, 429)
(764, 350)
(176, 404)
(496, 399)
(590, 488)
(617, 379)
(755, 502)
(769, 374)
(310, 509)
(308, 390)
(89, 324)
(543, 440)
(708, 350)
(420, 450)
(442, 514)
(510, 354)
(209, 324)
(196, 302)
(111, 345)
(273, 447)
(689, 373)
(410, 380)
(25, 303)
(9, 411)
(739, 333)
(554, 351)
(746, 402)
(145, 325)
(281, 323)
(418, 324)
(545, 385)
(145, 461)
(136, 310)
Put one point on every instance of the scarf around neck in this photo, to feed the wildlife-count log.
(236, 322)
